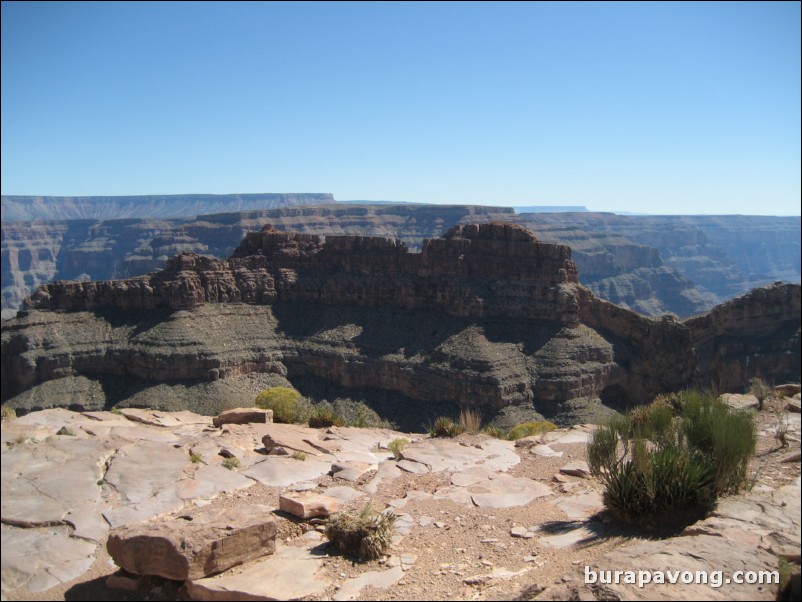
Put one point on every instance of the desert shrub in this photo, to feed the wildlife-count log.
(195, 458)
(527, 429)
(282, 400)
(396, 445)
(359, 414)
(671, 482)
(445, 427)
(298, 455)
(761, 390)
(495, 432)
(653, 421)
(470, 420)
(603, 444)
(323, 417)
(231, 463)
(726, 436)
(367, 536)
(8, 412)
(658, 467)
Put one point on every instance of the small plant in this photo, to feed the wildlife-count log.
(195, 458)
(231, 463)
(446, 427)
(396, 445)
(781, 432)
(761, 390)
(495, 432)
(324, 417)
(116, 411)
(8, 412)
(298, 455)
(470, 420)
(367, 536)
(527, 429)
(282, 400)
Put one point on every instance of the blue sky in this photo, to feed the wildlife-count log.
(655, 107)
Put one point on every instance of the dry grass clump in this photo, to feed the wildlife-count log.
(470, 420)
(367, 536)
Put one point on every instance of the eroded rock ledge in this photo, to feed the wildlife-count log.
(486, 316)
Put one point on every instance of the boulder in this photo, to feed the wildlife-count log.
(194, 546)
(577, 469)
(243, 416)
(308, 504)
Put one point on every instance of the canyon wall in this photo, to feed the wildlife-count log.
(487, 316)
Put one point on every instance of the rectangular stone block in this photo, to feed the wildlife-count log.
(181, 549)
(308, 504)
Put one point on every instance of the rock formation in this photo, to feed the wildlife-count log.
(650, 264)
(24, 208)
(486, 316)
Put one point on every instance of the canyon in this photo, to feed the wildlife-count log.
(654, 265)
(487, 316)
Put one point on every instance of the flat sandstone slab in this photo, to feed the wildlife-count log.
(183, 549)
(289, 574)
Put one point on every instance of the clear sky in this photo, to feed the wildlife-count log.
(655, 107)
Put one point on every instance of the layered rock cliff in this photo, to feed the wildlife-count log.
(486, 316)
(650, 264)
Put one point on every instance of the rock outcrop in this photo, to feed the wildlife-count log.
(487, 316)
(651, 264)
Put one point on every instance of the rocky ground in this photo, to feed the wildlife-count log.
(478, 518)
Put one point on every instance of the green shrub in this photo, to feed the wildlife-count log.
(298, 455)
(527, 429)
(446, 427)
(195, 458)
(660, 468)
(470, 420)
(282, 400)
(8, 412)
(367, 536)
(231, 463)
(324, 417)
(727, 437)
(396, 445)
(495, 432)
(669, 483)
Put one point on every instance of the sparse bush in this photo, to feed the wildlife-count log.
(445, 427)
(761, 390)
(396, 445)
(231, 463)
(495, 432)
(658, 467)
(8, 412)
(282, 400)
(298, 455)
(116, 411)
(781, 431)
(527, 429)
(195, 458)
(470, 420)
(358, 414)
(367, 536)
(324, 417)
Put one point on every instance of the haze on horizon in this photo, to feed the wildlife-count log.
(664, 108)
